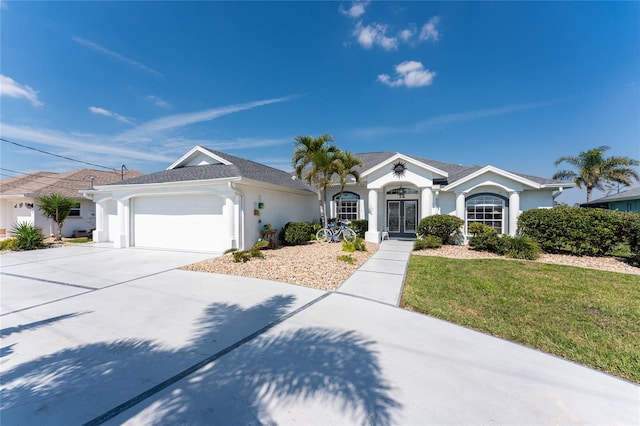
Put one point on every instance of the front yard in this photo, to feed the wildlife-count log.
(588, 316)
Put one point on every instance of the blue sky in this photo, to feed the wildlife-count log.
(511, 84)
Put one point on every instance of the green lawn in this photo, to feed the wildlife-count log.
(591, 317)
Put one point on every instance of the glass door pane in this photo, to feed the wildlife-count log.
(393, 216)
(410, 215)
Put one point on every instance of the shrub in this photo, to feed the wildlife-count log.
(241, 256)
(580, 231)
(347, 258)
(296, 233)
(230, 250)
(357, 245)
(428, 242)
(9, 244)
(28, 236)
(445, 226)
(634, 241)
(477, 228)
(246, 255)
(485, 242)
(360, 226)
(520, 247)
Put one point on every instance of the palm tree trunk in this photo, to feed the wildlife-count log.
(589, 194)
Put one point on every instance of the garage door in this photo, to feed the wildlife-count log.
(189, 222)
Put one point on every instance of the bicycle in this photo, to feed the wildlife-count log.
(334, 233)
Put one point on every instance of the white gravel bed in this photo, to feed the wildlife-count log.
(313, 265)
(602, 263)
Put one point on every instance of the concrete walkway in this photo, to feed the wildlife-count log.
(381, 277)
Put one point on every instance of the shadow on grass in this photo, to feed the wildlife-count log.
(77, 385)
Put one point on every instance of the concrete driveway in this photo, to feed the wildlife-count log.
(94, 335)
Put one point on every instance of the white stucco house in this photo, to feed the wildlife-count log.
(211, 201)
(19, 199)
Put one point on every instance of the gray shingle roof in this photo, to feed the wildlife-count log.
(243, 168)
(239, 168)
(455, 171)
(632, 194)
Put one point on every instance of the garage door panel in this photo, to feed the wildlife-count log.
(179, 222)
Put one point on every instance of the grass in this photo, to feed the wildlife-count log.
(588, 316)
(78, 240)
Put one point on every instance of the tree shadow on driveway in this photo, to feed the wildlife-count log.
(336, 368)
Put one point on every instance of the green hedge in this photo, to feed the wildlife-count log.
(295, 233)
(575, 230)
(634, 241)
(445, 226)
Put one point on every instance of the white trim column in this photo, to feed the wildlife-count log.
(228, 215)
(99, 234)
(514, 211)
(373, 233)
(122, 240)
(460, 205)
(427, 203)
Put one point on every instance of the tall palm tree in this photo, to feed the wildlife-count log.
(593, 170)
(313, 161)
(346, 165)
(56, 207)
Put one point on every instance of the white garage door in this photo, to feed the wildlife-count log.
(189, 222)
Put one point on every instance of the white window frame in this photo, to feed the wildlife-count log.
(350, 206)
(487, 205)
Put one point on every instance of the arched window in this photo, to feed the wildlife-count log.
(487, 209)
(347, 205)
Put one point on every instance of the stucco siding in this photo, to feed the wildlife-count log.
(279, 207)
(535, 200)
(447, 203)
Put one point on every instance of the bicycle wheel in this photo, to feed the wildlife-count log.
(324, 235)
(349, 234)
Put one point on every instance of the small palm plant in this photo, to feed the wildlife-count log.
(57, 208)
(27, 235)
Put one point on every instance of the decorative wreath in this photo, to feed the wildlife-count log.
(398, 169)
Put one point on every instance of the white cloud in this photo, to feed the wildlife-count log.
(406, 35)
(77, 143)
(96, 47)
(374, 34)
(409, 74)
(356, 10)
(157, 101)
(145, 130)
(107, 113)
(429, 30)
(13, 89)
(482, 113)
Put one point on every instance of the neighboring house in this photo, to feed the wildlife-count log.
(19, 199)
(212, 201)
(627, 201)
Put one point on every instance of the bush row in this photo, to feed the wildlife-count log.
(486, 238)
(447, 227)
(579, 231)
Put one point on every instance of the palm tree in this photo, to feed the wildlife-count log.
(346, 165)
(56, 207)
(593, 170)
(315, 157)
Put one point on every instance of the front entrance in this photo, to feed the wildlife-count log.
(402, 218)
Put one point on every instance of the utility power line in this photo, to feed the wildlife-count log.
(57, 155)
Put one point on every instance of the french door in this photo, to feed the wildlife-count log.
(402, 218)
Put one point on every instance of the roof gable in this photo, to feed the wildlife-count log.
(493, 170)
(389, 160)
(198, 156)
